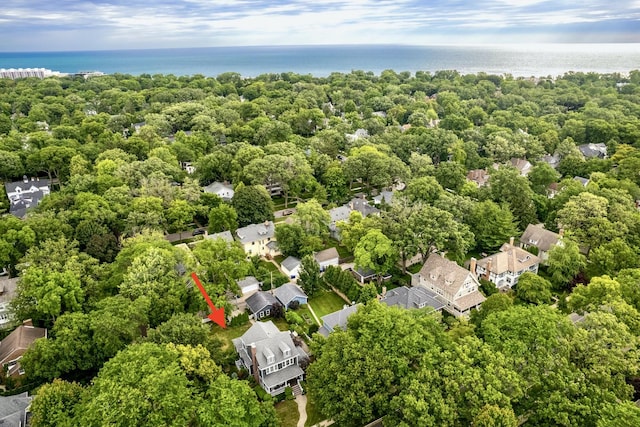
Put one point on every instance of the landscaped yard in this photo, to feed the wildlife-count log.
(306, 314)
(326, 302)
(343, 252)
(287, 412)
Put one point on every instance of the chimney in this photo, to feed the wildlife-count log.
(25, 179)
(488, 271)
(561, 232)
(472, 265)
(254, 363)
(514, 258)
(384, 291)
(28, 323)
(511, 240)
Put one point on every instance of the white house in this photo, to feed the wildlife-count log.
(453, 285)
(505, 267)
(249, 285)
(327, 257)
(271, 356)
(220, 189)
(291, 267)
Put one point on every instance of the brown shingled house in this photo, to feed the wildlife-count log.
(16, 344)
(453, 285)
(505, 267)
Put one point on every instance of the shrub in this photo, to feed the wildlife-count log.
(288, 393)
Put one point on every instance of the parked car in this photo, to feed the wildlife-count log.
(198, 231)
(287, 212)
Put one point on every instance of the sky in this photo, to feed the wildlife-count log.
(59, 25)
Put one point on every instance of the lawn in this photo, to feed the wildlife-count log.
(229, 333)
(326, 302)
(287, 412)
(306, 314)
(313, 413)
(343, 252)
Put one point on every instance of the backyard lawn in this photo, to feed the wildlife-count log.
(326, 302)
(231, 332)
(287, 412)
(313, 413)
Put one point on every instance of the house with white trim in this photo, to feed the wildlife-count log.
(259, 239)
(505, 267)
(271, 356)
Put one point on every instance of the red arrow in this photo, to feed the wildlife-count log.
(217, 314)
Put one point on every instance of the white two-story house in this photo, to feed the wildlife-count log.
(271, 356)
(505, 267)
(454, 286)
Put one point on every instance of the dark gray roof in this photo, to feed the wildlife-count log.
(337, 319)
(415, 297)
(552, 161)
(593, 150)
(290, 263)
(387, 196)
(258, 301)
(288, 292)
(341, 213)
(255, 232)
(363, 206)
(12, 409)
(538, 236)
(24, 195)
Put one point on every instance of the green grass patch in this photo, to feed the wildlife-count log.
(414, 268)
(306, 314)
(279, 259)
(343, 252)
(313, 413)
(281, 324)
(326, 302)
(287, 412)
(229, 333)
(269, 266)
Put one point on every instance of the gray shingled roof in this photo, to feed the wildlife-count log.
(593, 150)
(337, 319)
(536, 235)
(409, 298)
(12, 409)
(258, 301)
(255, 232)
(290, 263)
(248, 282)
(224, 235)
(341, 213)
(217, 187)
(363, 206)
(287, 292)
(387, 196)
(30, 194)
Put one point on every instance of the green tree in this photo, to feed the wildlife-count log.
(565, 262)
(612, 257)
(434, 228)
(310, 280)
(223, 218)
(375, 252)
(313, 219)
(252, 204)
(533, 289)
(492, 225)
(54, 404)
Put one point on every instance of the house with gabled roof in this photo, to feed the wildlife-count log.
(362, 205)
(26, 194)
(522, 165)
(593, 151)
(261, 304)
(220, 189)
(341, 213)
(479, 177)
(537, 236)
(224, 235)
(337, 319)
(505, 267)
(412, 298)
(290, 293)
(249, 285)
(290, 266)
(271, 356)
(13, 409)
(258, 239)
(454, 286)
(16, 344)
(327, 257)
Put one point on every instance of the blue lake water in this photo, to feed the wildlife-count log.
(518, 60)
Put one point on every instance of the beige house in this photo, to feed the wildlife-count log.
(16, 344)
(505, 267)
(454, 286)
(258, 239)
(537, 236)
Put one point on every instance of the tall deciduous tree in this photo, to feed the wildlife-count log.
(252, 204)
(565, 262)
(310, 280)
(533, 289)
(222, 218)
(375, 252)
(492, 225)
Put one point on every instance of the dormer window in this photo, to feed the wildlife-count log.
(268, 354)
(286, 351)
